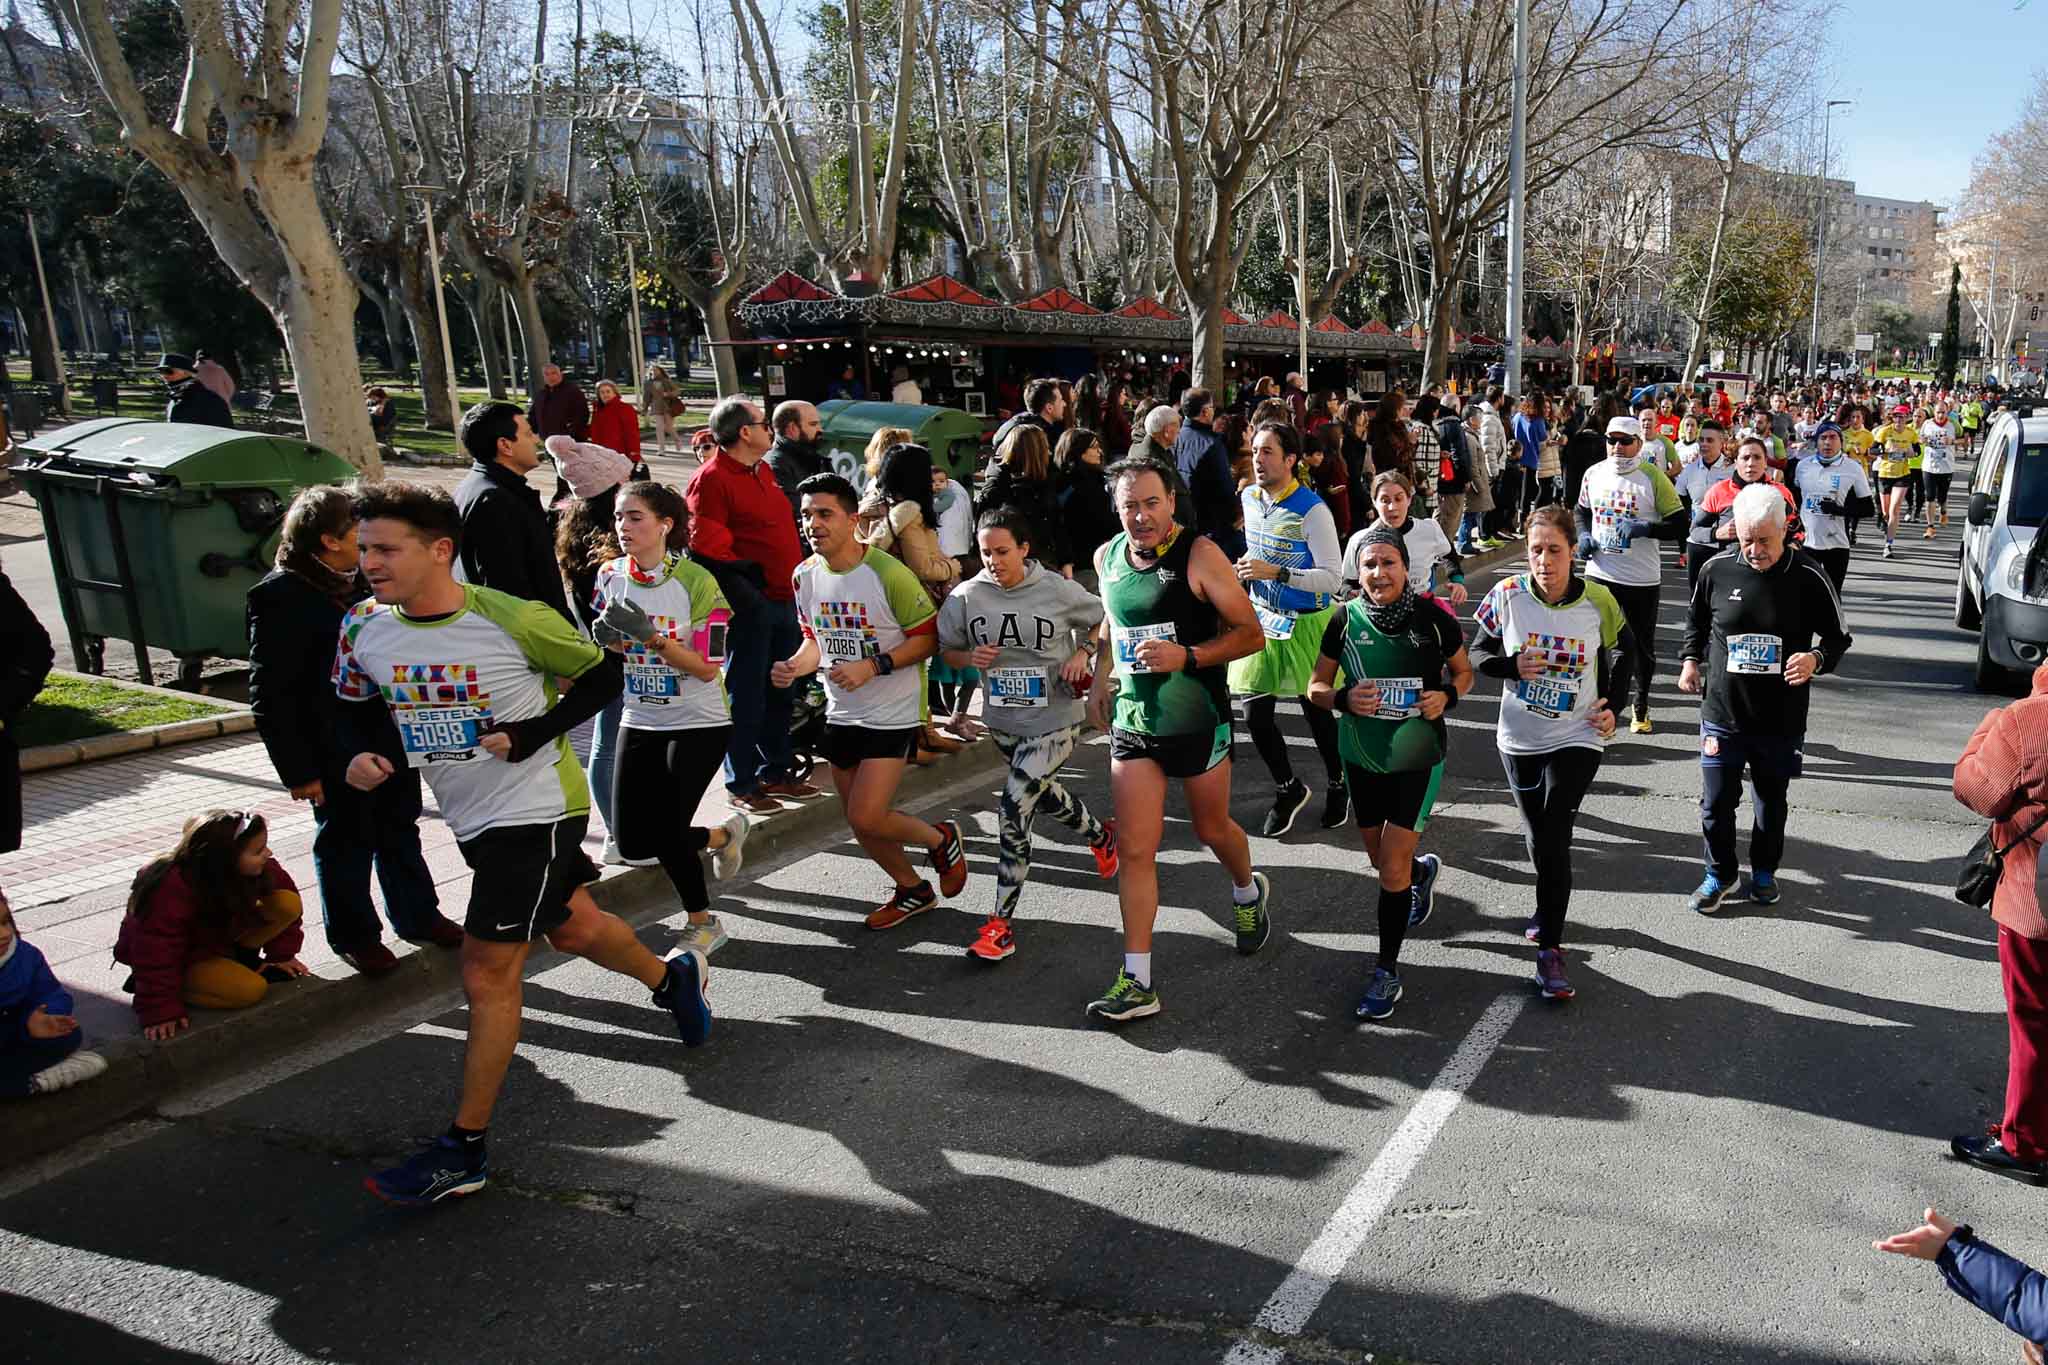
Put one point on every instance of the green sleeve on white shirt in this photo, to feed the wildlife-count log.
(1667, 496)
(1611, 619)
(909, 603)
(705, 597)
(544, 635)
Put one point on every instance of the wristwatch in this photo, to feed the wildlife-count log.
(884, 665)
(1188, 664)
(1284, 575)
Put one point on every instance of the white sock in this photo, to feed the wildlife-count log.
(1244, 895)
(1138, 966)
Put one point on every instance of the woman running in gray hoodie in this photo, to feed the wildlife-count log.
(1031, 633)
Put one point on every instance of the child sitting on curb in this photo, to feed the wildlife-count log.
(38, 1037)
(212, 924)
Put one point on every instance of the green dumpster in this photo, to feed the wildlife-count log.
(953, 437)
(157, 530)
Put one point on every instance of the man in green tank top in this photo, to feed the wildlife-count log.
(1174, 617)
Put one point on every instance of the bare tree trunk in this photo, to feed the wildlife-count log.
(256, 196)
(1697, 347)
(480, 303)
(415, 294)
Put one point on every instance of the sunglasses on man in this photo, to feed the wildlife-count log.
(1620, 438)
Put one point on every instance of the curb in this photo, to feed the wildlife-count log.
(235, 718)
(141, 1075)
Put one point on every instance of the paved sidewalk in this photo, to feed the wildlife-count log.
(91, 827)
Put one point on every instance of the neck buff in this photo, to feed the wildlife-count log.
(1161, 548)
(1625, 464)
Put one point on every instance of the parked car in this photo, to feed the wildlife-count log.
(2008, 505)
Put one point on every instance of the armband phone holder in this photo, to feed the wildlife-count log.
(709, 638)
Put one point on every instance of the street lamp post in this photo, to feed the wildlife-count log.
(1820, 237)
(1518, 188)
(427, 192)
(49, 315)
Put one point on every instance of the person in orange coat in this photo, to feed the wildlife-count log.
(614, 422)
(2003, 776)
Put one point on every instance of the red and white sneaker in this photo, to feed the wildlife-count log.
(907, 901)
(949, 859)
(995, 942)
(1105, 852)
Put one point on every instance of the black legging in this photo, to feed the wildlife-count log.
(1937, 495)
(1835, 562)
(1265, 732)
(1638, 603)
(1548, 789)
(657, 781)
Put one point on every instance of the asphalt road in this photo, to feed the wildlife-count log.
(890, 1153)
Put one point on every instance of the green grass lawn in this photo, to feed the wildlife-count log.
(76, 708)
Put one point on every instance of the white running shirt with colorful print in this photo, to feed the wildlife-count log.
(872, 607)
(446, 680)
(682, 599)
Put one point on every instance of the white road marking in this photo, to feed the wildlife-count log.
(1302, 1292)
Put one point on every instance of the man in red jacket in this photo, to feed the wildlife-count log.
(2003, 776)
(740, 529)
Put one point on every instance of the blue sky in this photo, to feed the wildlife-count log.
(1932, 82)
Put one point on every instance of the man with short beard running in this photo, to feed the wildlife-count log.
(1174, 617)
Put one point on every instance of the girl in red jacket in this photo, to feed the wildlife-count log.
(614, 423)
(212, 924)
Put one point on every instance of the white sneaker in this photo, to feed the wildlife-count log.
(73, 1070)
(707, 938)
(726, 861)
(611, 856)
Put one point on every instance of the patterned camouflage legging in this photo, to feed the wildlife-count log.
(1034, 763)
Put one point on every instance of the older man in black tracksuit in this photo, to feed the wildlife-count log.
(1765, 621)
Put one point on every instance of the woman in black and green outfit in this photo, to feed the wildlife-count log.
(1402, 662)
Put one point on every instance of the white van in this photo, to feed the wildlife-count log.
(2008, 504)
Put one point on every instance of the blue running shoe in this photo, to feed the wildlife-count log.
(1550, 977)
(1707, 896)
(1380, 996)
(441, 1170)
(681, 993)
(1422, 895)
(1763, 888)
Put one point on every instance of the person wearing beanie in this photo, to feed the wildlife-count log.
(1403, 665)
(1833, 490)
(588, 468)
(584, 542)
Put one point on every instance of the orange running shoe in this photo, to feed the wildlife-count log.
(1105, 852)
(995, 943)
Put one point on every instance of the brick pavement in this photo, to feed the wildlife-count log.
(89, 828)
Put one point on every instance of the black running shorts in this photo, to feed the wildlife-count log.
(1181, 756)
(847, 746)
(524, 876)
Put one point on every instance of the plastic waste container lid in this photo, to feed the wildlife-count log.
(189, 453)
